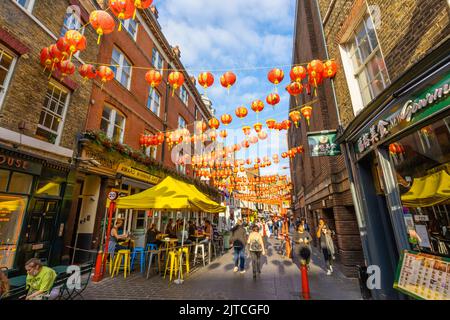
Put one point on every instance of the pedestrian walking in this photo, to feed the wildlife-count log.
(238, 240)
(326, 244)
(256, 248)
(275, 227)
(305, 225)
(4, 285)
(270, 225)
(302, 239)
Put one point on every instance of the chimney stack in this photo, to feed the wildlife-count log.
(194, 81)
(176, 51)
(154, 11)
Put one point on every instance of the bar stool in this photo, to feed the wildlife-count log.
(184, 251)
(173, 267)
(157, 254)
(122, 255)
(203, 256)
(141, 252)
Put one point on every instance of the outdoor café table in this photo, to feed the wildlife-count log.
(169, 243)
(198, 237)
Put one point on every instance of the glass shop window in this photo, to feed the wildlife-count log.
(20, 183)
(422, 165)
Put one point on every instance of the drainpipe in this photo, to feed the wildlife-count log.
(166, 106)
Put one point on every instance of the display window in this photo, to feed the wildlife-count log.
(422, 168)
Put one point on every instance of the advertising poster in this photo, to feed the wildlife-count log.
(423, 276)
(323, 144)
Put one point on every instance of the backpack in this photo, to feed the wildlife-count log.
(255, 246)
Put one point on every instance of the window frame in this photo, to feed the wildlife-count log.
(4, 90)
(156, 52)
(119, 69)
(63, 115)
(29, 6)
(112, 122)
(184, 98)
(126, 25)
(151, 93)
(184, 120)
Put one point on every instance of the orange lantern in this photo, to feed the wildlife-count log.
(241, 112)
(286, 124)
(306, 112)
(256, 166)
(87, 71)
(176, 79)
(213, 135)
(258, 127)
(275, 156)
(141, 4)
(248, 161)
(300, 149)
(226, 119)
(46, 58)
(242, 169)
(295, 117)
(273, 99)
(102, 22)
(284, 155)
(153, 77)
(253, 140)
(228, 79)
(294, 88)
(275, 76)
(55, 55)
(76, 41)
(245, 144)
(214, 123)
(67, 68)
(298, 73)
(262, 135)
(224, 134)
(160, 138)
(206, 79)
(237, 147)
(315, 70)
(63, 47)
(122, 9)
(329, 69)
(201, 126)
(105, 74)
(270, 123)
(257, 106)
(247, 130)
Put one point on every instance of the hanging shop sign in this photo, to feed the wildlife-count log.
(17, 164)
(137, 174)
(432, 97)
(423, 276)
(323, 144)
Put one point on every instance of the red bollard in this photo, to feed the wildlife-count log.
(305, 283)
(98, 275)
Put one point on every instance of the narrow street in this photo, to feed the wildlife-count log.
(279, 280)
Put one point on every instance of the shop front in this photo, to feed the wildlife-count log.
(401, 166)
(32, 209)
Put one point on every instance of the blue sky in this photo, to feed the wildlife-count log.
(247, 37)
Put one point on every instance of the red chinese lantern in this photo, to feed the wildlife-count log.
(284, 155)
(286, 124)
(122, 9)
(294, 88)
(329, 69)
(258, 127)
(46, 58)
(176, 79)
(300, 149)
(67, 68)
(275, 76)
(87, 71)
(306, 112)
(76, 41)
(315, 70)
(270, 123)
(224, 134)
(226, 119)
(153, 77)
(241, 112)
(55, 55)
(248, 161)
(237, 147)
(206, 79)
(160, 138)
(298, 73)
(214, 123)
(102, 22)
(228, 79)
(256, 166)
(142, 140)
(63, 47)
(245, 144)
(247, 130)
(278, 126)
(257, 106)
(262, 135)
(105, 74)
(273, 99)
(295, 117)
(141, 4)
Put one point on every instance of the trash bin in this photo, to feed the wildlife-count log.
(362, 277)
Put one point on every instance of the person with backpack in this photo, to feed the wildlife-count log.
(239, 239)
(256, 248)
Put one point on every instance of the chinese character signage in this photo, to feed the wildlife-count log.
(323, 144)
(429, 99)
(423, 276)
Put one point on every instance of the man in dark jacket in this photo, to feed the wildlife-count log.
(239, 239)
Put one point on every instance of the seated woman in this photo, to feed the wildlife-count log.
(191, 230)
(170, 229)
(115, 237)
(153, 235)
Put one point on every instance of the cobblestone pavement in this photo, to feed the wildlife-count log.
(280, 280)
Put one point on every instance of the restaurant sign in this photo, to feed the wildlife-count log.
(406, 112)
(323, 144)
(137, 174)
(17, 164)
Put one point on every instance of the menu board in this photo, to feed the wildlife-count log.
(423, 276)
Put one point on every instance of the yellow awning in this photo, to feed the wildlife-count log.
(428, 191)
(170, 194)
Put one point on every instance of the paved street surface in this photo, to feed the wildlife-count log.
(280, 280)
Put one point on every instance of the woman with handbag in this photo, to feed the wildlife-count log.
(256, 248)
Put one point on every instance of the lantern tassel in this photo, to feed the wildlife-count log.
(120, 26)
(98, 40)
(173, 91)
(134, 14)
